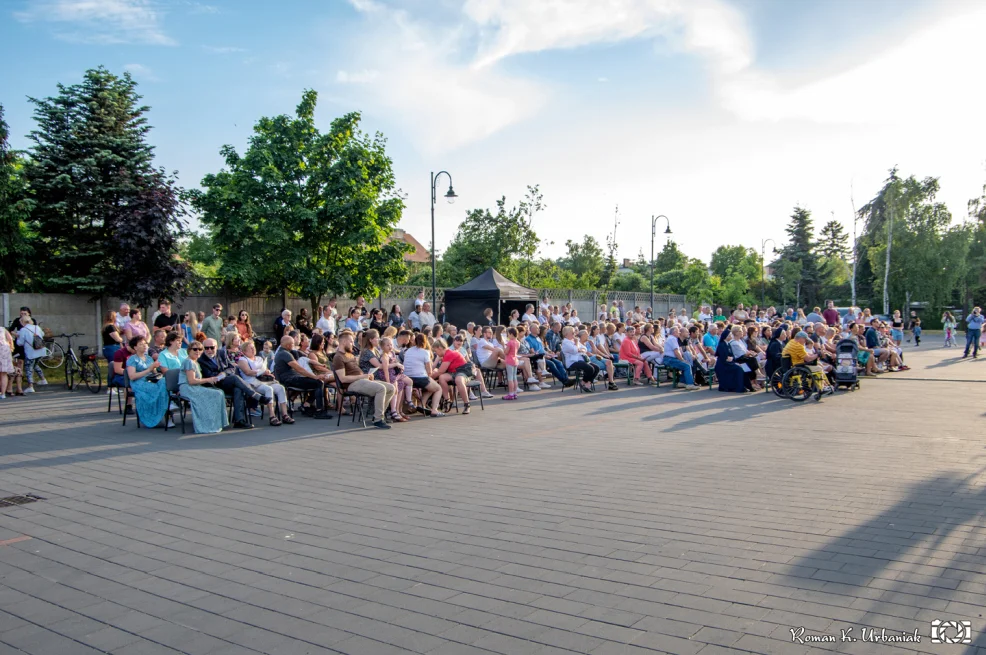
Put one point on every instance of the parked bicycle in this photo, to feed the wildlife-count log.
(83, 367)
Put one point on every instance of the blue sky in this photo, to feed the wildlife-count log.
(721, 114)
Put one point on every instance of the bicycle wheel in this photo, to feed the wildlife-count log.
(797, 385)
(69, 373)
(54, 357)
(92, 376)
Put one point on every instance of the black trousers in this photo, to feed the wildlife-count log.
(309, 384)
(241, 391)
(588, 371)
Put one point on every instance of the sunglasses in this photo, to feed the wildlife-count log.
(194, 350)
(210, 347)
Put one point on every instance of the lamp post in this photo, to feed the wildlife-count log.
(763, 267)
(653, 233)
(450, 195)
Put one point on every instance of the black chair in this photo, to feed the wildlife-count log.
(119, 389)
(358, 402)
(575, 375)
(128, 394)
(472, 383)
(171, 377)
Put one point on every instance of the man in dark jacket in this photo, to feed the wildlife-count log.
(215, 363)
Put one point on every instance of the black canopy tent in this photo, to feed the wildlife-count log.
(489, 289)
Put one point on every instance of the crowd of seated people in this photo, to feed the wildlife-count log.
(418, 365)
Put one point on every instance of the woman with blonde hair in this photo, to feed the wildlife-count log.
(189, 329)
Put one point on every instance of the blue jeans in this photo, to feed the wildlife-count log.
(686, 369)
(556, 369)
(972, 339)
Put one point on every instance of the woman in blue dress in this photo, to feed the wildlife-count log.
(208, 405)
(152, 397)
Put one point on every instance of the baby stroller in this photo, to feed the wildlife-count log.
(846, 353)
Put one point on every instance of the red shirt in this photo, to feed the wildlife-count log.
(831, 316)
(121, 357)
(454, 359)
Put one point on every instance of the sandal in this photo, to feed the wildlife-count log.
(275, 421)
(287, 420)
(398, 418)
(465, 408)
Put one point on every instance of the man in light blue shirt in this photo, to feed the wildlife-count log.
(711, 338)
(974, 329)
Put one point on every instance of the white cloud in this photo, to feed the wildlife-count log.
(101, 21)
(927, 76)
(142, 72)
(357, 77)
(416, 73)
(709, 27)
(222, 50)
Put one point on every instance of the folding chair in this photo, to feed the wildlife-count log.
(171, 377)
(128, 394)
(119, 389)
(573, 375)
(358, 402)
(470, 384)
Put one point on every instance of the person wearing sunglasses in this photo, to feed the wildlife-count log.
(218, 365)
(213, 325)
(208, 404)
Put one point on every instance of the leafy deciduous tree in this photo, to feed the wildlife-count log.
(15, 207)
(306, 211)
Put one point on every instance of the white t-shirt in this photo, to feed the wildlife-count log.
(418, 302)
(416, 361)
(326, 325)
(671, 345)
(527, 318)
(121, 322)
(705, 318)
(415, 319)
(427, 319)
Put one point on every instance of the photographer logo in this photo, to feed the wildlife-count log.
(951, 632)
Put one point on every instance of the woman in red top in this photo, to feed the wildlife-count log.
(630, 352)
(454, 367)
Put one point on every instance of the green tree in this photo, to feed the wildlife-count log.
(801, 248)
(628, 282)
(305, 211)
(834, 242)
(670, 258)
(15, 208)
(584, 259)
(727, 260)
(485, 239)
(107, 220)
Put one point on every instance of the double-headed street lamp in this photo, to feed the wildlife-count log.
(450, 195)
(653, 233)
(763, 266)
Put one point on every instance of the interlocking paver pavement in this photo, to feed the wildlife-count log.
(636, 521)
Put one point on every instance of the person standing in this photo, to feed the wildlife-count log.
(831, 314)
(974, 328)
(212, 326)
(28, 338)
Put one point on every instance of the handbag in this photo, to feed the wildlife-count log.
(37, 342)
(265, 377)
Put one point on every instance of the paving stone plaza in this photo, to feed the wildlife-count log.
(618, 523)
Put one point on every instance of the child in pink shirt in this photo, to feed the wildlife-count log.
(510, 359)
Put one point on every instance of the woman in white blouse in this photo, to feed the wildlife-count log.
(575, 355)
(250, 366)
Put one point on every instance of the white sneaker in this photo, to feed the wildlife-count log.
(171, 424)
(472, 396)
(487, 394)
(3, 396)
(172, 407)
(692, 387)
(41, 381)
(520, 389)
(545, 385)
(29, 390)
(532, 380)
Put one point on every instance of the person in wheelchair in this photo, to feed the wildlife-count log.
(801, 356)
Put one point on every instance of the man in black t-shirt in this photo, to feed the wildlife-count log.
(290, 373)
(166, 320)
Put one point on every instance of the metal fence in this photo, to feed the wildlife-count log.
(68, 313)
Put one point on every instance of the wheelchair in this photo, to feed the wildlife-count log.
(799, 382)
